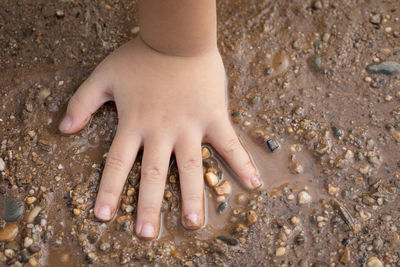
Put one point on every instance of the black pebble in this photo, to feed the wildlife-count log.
(345, 241)
(228, 240)
(272, 145)
(221, 207)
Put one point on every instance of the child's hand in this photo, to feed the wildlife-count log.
(166, 104)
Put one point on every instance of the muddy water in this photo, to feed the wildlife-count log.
(274, 170)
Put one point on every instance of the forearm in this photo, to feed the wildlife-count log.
(179, 27)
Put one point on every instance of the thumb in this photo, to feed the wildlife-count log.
(86, 100)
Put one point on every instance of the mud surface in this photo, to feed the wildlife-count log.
(304, 75)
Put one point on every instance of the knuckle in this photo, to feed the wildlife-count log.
(114, 163)
(231, 146)
(191, 165)
(152, 174)
(196, 198)
(149, 210)
(74, 100)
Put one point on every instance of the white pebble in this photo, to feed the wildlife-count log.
(304, 197)
(2, 165)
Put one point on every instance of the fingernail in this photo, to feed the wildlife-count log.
(65, 124)
(147, 230)
(191, 220)
(104, 213)
(255, 182)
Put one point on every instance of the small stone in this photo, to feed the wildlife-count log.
(326, 36)
(251, 216)
(11, 209)
(374, 262)
(60, 14)
(364, 169)
(129, 208)
(386, 217)
(44, 93)
(367, 79)
(317, 5)
(297, 168)
(105, 246)
(388, 29)
(316, 63)
(221, 199)
(337, 131)
(135, 30)
(304, 197)
(28, 242)
(396, 134)
(294, 220)
(231, 241)
(30, 200)
(281, 251)
(34, 248)
(10, 253)
(221, 207)
(8, 233)
(33, 214)
(205, 153)
(368, 200)
(240, 198)
(345, 256)
(388, 98)
(223, 189)
(210, 163)
(385, 67)
(272, 145)
(211, 179)
(167, 195)
(375, 19)
(77, 212)
(2, 165)
(333, 190)
(32, 261)
(322, 148)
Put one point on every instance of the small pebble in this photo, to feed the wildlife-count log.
(28, 242)
(8, 233)
(251, 216)
(221, 207)
(30, 200)
(281, 251)
(317, 5)
(223, 189)
(304, 197)
(211, 179)
(240, 198)
(375, 19)
(11, 209)
(205, 153)
(2, 165)
(105, 246)
(231, 241)
(34, 248)
(33, 214)
(77, 212)
(374, 262)
(326, 37)
(272, 145)
(385, 67)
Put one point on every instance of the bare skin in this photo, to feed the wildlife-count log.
(169, 88)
